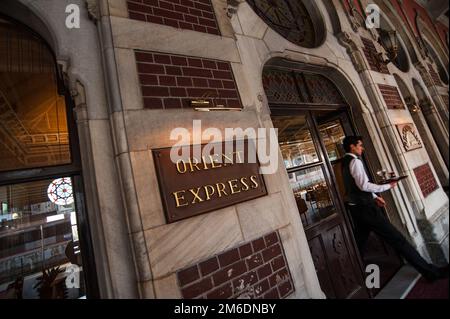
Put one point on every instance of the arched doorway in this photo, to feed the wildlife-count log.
(312, 118)
(45, 245)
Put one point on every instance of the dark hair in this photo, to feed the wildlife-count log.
(351, 140)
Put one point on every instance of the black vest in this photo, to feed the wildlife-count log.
(353, 193)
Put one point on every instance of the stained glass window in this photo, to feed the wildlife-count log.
(60, 191)
(289, 18)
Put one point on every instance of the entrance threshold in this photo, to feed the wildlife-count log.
(400, 285)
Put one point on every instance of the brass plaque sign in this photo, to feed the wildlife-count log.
(208, 180)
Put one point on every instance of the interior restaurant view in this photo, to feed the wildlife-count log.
(40, 254)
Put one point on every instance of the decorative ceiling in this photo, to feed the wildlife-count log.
(33, 125)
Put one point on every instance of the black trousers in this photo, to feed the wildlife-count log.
(369, 217)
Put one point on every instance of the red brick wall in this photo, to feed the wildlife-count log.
(425, 177)
(171, 81)
(391, 96)
(197, 15)
(257, 269)
(410, 7)
(355, 3)
(369, 48)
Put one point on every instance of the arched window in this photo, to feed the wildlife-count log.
(40, 175)
(443, 75)
(298, 21)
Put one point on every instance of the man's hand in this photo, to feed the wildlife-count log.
(393, 184)
(380, 201)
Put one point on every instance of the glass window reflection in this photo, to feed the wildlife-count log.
(33, 123)
(312, 195)
(39, 248)
(332, 134)
(296, 144)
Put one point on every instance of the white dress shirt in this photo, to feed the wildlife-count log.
(362, 180)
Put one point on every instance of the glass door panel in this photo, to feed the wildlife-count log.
(305, 169)
(312, 195)
(294, 137)
(332, 134)
(39, 247)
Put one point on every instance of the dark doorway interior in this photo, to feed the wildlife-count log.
(312, 120)
(310, 142)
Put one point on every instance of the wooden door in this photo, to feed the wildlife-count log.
(320, 208)
(333, 127)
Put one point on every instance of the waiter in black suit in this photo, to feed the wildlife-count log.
(364, 205)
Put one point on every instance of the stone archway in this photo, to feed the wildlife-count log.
(286, 114)
(21, 13)
(358, 116)
(41, 171)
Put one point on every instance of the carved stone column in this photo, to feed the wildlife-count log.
(440, 105)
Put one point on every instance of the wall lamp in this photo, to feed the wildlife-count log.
(414, 108)
(388, 39)
(206, 106)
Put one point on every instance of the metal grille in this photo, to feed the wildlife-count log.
(322, 90)
(288, 87)
(280, 87)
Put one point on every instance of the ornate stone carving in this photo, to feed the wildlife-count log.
(423, 71)
(409, 136)
(347, 41)
(92, 8)
(232, 7)
(356, 19)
